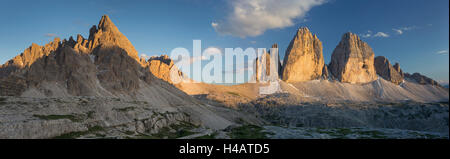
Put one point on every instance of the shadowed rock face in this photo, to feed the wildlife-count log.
(352, 60)
(304, 58)
(325, 72)
(28, 57)
(384, 69)
(398, 69)
(107, 34)
(421, 79)
(106, 58)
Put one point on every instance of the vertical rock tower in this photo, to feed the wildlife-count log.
(352, 60)
(267, 66)
(384, 69)
(304, 58)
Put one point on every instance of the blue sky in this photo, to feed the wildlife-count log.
(414, 33)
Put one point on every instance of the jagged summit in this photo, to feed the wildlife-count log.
(106, 24)
(384, 69)
(352, 60)
(107, 35)
(303, 29)
(103, 57)
(304, 58)
(101, 38)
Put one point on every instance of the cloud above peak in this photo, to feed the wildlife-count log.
(381, 34)
(370, 34)
(442, 52)
(50, 35)
(254, 17)
(402, 30)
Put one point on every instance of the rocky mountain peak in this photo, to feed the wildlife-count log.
(163, 68)
(421, 79)
(304, 58)
(384, 69)
(107, 35)
(352, 60)
(107, 25)
(398, 69)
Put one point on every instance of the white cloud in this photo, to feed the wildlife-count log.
(254, 17)
(402, 30)
(370, 34)
(399, 31)
(367, 35)
(381, 34)
(50, 35)
(214, 25)
(145, 56)
(443, 82)
(207, 52)
(442, 52)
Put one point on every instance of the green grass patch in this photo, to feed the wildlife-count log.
(126, 109)
(173, 131)
(90, 114)
(210, 136)
(372, 134)
(72, 118)
(129, 132)
(248, 132)
(74, 135)
(426, 136)
(3, 100)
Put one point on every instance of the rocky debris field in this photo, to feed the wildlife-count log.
(79, 117)
(275, 132)
(429, 117)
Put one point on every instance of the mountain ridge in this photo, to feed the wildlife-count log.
(107, 46)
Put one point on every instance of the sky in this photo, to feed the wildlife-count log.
(414, 33)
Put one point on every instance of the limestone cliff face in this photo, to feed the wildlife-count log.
(106, 58)
(304, 58)
(107, 35)
(415, 77)
(384, 69)
(325, 73)
(352, 60)
(163, 67)
(399, 70)
(29, 56)
(267, 66)
(421, 79)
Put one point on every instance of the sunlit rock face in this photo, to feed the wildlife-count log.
(163, 67)
(106, 60)
(107, 34)
(385, 70)
(352, 60)
(304, 58)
